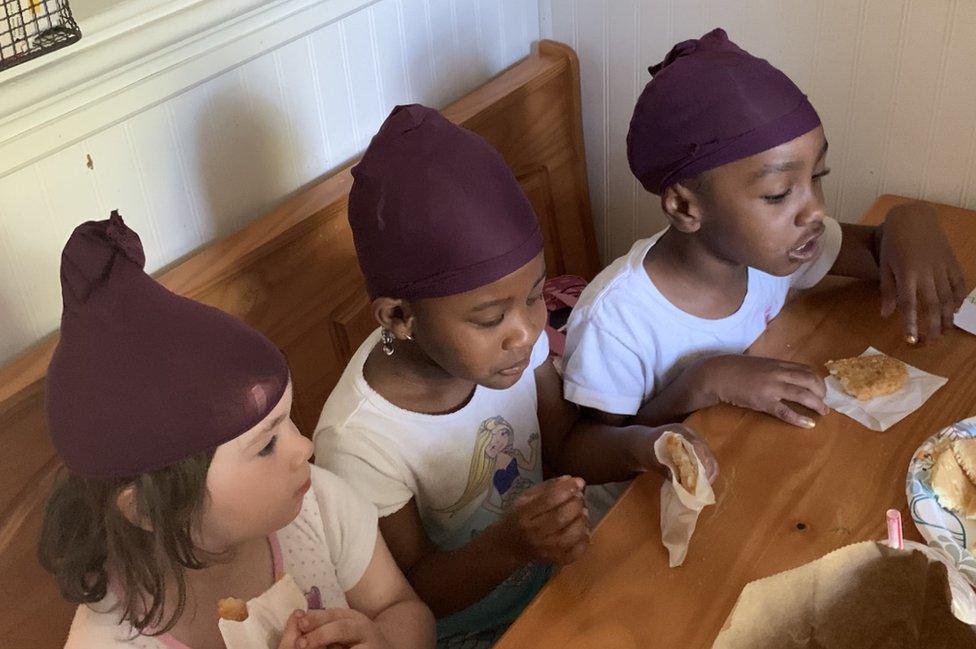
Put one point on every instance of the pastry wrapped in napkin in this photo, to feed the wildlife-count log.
(684, 496)
(863, 596)
(264, 617)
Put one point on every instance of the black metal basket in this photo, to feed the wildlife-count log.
(30, 28)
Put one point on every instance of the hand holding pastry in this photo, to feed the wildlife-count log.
(680, 458)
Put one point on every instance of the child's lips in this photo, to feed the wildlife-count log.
(305, 487)
(806, 251)
(516, 369)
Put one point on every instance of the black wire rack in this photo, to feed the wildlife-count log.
(30, 28)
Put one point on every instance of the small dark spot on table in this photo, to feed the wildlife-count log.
(801, 526)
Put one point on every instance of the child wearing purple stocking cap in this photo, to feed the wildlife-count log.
(446, 415)
(737, 155)
(187, 480)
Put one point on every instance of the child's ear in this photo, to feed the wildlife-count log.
(395, 316)
(125, 500)
(683, 207)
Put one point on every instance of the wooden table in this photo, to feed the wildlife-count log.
(785, 496)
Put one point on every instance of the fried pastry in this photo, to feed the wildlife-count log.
(685, 463)
(231, 608)
(951, 486)
(964, 451)
(866, 377)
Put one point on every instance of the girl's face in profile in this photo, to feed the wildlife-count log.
(257, 480)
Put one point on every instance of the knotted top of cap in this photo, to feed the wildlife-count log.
(435, 210)
(142, 377)
(710, 103)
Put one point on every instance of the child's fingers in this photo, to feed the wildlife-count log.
(333, 627)
(342, 632)
(807, 380)
(313, 618)
(549, 495)
(782, 411)
(889, 294)
(704, 454)
(958, 283)
(929, 295)
(907, 304)
(947, 302)
(554, 521)
(803, 396)
(289, 639)
(571, 542)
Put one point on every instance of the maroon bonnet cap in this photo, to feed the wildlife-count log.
(710, 103)
(141, 377)
(435, 210)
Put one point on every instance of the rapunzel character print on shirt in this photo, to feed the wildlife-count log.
(496, 469)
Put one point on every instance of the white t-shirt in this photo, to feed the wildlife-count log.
(626, 341)
(326, 549)
(464, 469)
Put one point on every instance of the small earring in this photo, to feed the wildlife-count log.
(386, 337)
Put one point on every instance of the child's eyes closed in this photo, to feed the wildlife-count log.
(777, 198)
(269, 447)
(530, 301)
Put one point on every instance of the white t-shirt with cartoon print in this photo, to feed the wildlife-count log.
(326, 549)
(464, 469)
(626, 341)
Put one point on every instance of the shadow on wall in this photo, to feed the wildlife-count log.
(245, 164)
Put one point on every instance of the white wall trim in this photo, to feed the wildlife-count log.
(136, 55)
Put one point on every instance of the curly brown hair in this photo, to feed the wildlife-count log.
(86, 541)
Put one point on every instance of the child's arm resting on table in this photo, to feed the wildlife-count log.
(547, 522)
(384, 613)
(763, 384)
(912, 258)
(597, 451)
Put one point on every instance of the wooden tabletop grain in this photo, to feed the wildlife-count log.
(785, 496)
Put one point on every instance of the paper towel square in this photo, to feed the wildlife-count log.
(880, 413)
(966, 318)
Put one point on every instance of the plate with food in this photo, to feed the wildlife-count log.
(941, 488)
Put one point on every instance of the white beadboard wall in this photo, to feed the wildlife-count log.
(893, 80)
(203, 161)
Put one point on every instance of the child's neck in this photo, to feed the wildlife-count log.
(410, 380)
(695, 279)
(244, 572)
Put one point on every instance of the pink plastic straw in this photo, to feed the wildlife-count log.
(895, 538)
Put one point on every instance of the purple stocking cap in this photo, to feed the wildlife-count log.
(435, 210)
(710, 103)
(142, 377)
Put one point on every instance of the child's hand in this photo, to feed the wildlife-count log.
(338, 627)
(549, 522)
(291, 635)
(649, 460)
(764, 384)
(918, 269)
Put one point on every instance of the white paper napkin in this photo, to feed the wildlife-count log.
(679, 507)
(966, 318)
(880, 413)
(267, 615)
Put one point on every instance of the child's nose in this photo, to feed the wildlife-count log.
(523, 334)
(305, 449)
(812, 211)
